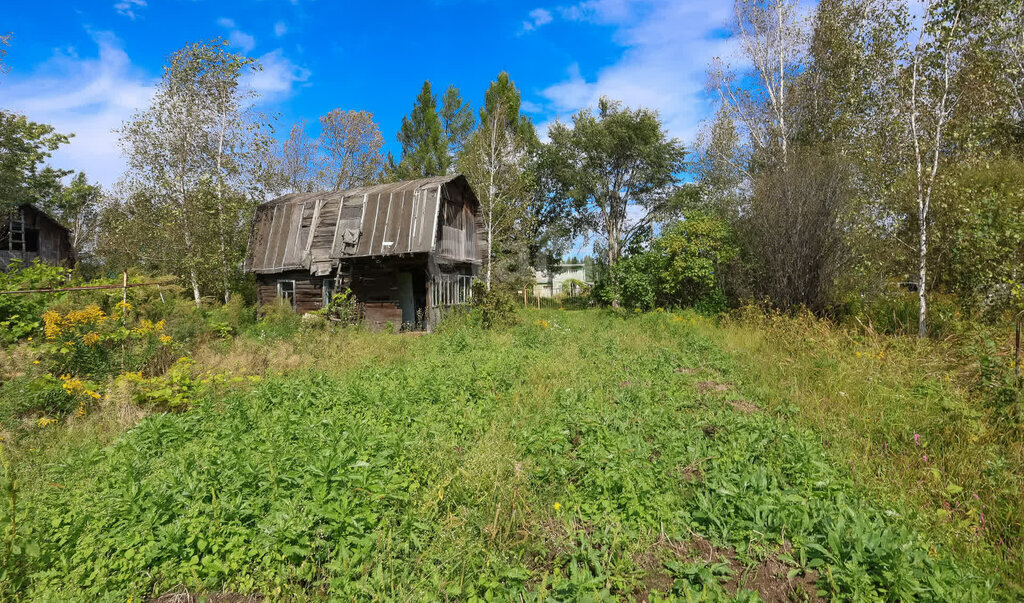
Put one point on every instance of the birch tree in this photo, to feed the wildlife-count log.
(350, 143)
(297, 165)
(496, 160)
(930, 104)
(192, 153)
(772, 40)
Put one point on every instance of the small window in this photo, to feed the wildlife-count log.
(32, 240)
(328, 291)
(286, 290)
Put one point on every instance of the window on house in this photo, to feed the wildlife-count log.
(286, 290)
(328, 287)
(32, 240)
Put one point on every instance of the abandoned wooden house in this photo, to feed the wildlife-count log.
(29, 234)
(407, 250)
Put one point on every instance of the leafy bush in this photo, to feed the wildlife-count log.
(32, 395)
(342, 308)
(277, 320)
(496, 307)
(19, 314)
(680, 269)
(90, 342)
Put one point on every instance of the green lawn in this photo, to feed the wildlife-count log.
(578, 455)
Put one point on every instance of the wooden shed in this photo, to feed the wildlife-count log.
(29, 234)
(407, 250)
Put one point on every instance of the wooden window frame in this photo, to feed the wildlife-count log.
(280, 291)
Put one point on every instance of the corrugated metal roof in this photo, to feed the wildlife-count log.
(312, 230)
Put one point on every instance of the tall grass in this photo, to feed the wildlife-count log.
(573, 455)
(910, 420)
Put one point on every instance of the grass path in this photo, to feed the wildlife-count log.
(576, 456)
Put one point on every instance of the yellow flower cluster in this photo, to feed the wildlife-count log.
(74, 385)
(147, 326)
(54, 323)
(45, 422)
(543, 324)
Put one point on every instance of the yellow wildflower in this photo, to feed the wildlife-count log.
(35, 362)
(123, 306)
(51, 322)
(558, 506)
(45, 421)
(165, 339)
(90, 338)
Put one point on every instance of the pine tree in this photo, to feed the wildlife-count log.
(424, 149)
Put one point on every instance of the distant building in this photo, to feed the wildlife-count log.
(562, 279)
(407, 250)
(30, 234)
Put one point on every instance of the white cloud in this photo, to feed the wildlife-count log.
(127, 7)
(278, 76)
(89, 97)
(539, 17)
(236, 37)
(241, 40)
(667, 48)
(280, 28)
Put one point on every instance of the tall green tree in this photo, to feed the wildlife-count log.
(195, 157)
(498, 161)
(615, 169)
(457, 119)
(24, 148)
(77, 206)
(350, 144)
(422, 136)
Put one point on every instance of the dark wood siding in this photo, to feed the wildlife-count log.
(53, 240)
(309, 292)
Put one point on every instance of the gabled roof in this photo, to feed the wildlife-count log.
(314, 230)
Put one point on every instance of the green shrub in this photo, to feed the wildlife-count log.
(496, 307)
(29, 395)
(277, 320)
(342, 308)
(91, 343)
(19, 313)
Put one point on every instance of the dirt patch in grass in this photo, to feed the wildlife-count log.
(712, 386)
(744, 406)
(768, 578)
(691, 472)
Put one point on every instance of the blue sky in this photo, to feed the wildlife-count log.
(87, 66)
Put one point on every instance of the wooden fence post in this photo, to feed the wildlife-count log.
(124, 291)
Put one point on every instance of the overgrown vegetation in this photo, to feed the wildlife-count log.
(590, 455)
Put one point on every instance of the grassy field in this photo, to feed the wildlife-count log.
(577, 455)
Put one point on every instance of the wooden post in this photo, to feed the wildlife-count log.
(524, 297)
(124, 292)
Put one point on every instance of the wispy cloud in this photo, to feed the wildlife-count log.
(89, 97)
(128, 7)
(278, 77)
(280, 28)
(241, 40)
(667, 46)
(238, 38)
(539, 17)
